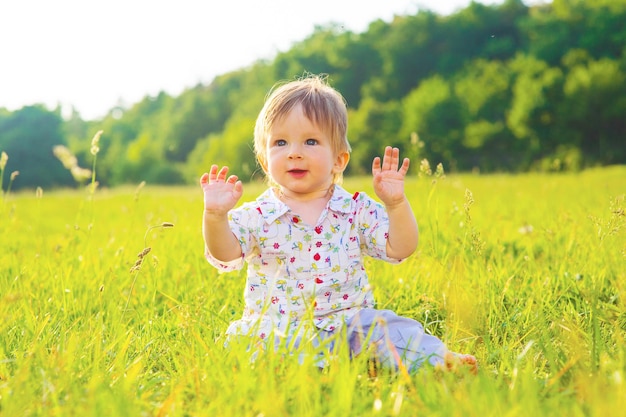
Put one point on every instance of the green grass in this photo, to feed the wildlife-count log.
(542, 310)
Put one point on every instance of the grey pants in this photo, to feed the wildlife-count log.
(394, 339)
(390, 339)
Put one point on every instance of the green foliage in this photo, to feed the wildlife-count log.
(27, 136)
(588, 88)
(109, 311)
(537, 90)
(501, 87)
(435, 113)
(232, 148)
(371, 125)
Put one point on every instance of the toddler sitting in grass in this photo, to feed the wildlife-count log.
(305, 237)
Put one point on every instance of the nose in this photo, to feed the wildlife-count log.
(294, 152)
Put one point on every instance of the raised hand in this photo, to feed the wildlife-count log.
(388, 177)
(220, 193)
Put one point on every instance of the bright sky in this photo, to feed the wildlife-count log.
(94, 54)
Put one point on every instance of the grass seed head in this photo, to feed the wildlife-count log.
(3, 160)
(439, 172)
(66, 157)
(80, 174)
(94, 143)
(144, 252)
(425, 168)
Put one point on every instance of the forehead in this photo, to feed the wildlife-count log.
(296, 119)
(293, 115)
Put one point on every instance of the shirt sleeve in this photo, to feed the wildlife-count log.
(373, 228)
(240, 221)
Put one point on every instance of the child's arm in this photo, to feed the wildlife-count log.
(389, 187)
(220, 195)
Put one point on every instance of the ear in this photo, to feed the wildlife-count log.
(341, 162)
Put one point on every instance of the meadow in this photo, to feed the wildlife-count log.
(108, 308)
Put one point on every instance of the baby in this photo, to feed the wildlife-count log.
(305, 237)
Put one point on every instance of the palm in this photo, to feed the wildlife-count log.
(389, 176)
(220, 193)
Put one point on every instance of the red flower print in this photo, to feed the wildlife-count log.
(327, 294)
(295, 219)
(319, 229)
(318, 280)
(262, 335)
(259, 210)
(300, 286)
(318, 244)
(317, 256)
(345, 296)
(292, 259)
(274, 300)
(276, 245)
(251, 288)
(355, 196)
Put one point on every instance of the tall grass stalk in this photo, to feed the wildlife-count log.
(3, 163)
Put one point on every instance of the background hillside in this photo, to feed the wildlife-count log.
(490, 88)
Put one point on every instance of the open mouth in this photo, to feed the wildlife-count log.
(297, 172)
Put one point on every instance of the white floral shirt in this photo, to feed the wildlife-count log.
(300, 274)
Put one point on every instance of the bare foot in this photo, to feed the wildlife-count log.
(456, 361)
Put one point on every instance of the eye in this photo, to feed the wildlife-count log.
(280, 142)
(311, 142)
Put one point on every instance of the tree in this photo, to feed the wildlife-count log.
(479, 31)
(594, 109)
(372, 126)
(143, 161)
(409, 51)
(532, 117)
(233, 147)
(355, 61)
(28, 136)
(433, 111)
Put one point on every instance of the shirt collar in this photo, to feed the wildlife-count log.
(271, 207)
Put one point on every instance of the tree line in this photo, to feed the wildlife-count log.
(502, 87)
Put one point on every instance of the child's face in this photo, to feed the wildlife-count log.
(300, 157)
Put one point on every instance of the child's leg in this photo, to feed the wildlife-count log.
(398, 341)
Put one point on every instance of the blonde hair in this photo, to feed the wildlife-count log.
(321, 104)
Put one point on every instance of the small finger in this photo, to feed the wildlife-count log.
(404, 168)
(376, 165)
(213, 173)
(395, 158)
(386, 156)
(221, 175)
(204, 178)
(232, 179)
